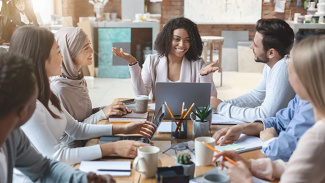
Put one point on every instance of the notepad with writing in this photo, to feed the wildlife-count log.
(243, 144)
(218, 119)
(114, 168)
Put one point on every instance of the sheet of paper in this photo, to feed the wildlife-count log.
(230, 147)
(219, 119)
(114, 168)
(152, 106)
(247, 142)
(279, 6)
(165, 127)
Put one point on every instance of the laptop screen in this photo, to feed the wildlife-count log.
(176, 93)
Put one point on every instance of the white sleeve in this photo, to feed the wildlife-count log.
(82, 131)
(245, 107)
(43, 138)
(95, 118)
(141, 79)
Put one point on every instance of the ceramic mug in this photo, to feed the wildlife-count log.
(215, 178)
(141, 103)
(147, 160)
(203, 154)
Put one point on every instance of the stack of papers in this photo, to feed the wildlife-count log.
(114, 168)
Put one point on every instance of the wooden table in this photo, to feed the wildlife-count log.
(163, 139)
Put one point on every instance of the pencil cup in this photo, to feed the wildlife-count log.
(147, 161)
(179, 127)
(141, 103)
(203, 154)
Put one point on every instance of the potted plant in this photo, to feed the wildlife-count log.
(201, 125)
(184, 160)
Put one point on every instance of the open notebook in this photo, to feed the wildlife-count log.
(243, 144)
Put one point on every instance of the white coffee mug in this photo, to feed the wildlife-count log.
(141, 103)
(215, 178)
(203, 154)
(148, 161)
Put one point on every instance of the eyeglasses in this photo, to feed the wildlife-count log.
(179, 147)
(287, 59)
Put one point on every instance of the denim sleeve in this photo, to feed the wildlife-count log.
(283, 146)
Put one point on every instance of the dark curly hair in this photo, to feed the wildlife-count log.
(277, 34)
(36, 43)
(17, 82)
(164, 38)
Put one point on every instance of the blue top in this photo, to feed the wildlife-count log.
(290, 123)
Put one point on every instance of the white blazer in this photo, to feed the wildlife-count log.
(155, 69)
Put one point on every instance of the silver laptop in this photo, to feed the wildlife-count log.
(157, 120)
(177, 93)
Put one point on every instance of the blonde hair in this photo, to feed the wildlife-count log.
(309, 63)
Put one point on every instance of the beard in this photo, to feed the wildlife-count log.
(262, 60)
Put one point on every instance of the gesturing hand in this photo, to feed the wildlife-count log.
(94, 178)
(125, 56)
(268, 133)
(210, 68)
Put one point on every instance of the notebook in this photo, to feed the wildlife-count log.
(157, 120)
(114, 168)
(243, 144)
(177, 93)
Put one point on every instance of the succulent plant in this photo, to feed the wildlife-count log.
(184, 158)
(203, 113)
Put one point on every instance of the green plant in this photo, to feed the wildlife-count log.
(184, 158)
(203, 113)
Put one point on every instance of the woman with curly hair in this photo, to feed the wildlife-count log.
(179, 48)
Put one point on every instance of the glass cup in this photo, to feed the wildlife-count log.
(179, 127)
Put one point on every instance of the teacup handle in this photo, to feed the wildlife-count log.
(191, 116)
(135, 164)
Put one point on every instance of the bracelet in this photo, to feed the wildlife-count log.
(133, 63)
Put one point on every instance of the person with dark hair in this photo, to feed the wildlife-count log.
(18, 94)
(307, 77)
(50, 120)
(179, 48)
(273, 40)
(281, 133)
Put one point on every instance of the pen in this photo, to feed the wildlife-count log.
(112, 170)
(171, 114)
(228, 159)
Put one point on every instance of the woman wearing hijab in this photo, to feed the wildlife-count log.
(70, 86)
(50, 120)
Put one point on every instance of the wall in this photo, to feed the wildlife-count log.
(175, 8)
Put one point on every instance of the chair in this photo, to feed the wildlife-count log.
(209, 42)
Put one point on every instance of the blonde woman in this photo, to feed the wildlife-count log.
(307, 77)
